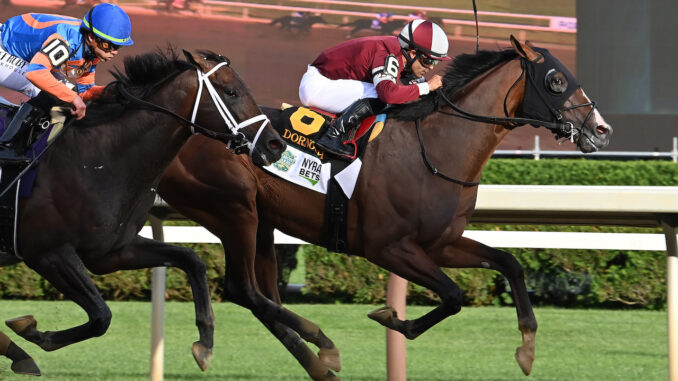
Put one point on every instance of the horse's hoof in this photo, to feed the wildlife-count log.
(331, 358)
(26, 366)
(22, 324)
(331, 377)
(202, 355)
(525, 358)
(383, 315)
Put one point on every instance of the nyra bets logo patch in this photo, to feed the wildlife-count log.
(302, 169)
(310, 170)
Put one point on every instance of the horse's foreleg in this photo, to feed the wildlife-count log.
(22, 363)
(466, 253)
(146, 253)
(315, 368)
(267, 279)
(66, 272)
(408, 260)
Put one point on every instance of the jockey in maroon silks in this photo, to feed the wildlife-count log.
(359, 77)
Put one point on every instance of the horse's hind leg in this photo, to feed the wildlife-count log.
(267, 279)
(66, 272)
(466, 253)
(22, 363)
(146, 253)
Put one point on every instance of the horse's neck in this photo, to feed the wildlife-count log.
(135, 147)
(485, 96)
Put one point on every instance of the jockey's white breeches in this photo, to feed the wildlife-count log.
(13, 74)
(332, 95)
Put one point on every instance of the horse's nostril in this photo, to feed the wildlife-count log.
(602, 129)
(275, 145)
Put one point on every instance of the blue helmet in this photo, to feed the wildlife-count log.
(110, 22)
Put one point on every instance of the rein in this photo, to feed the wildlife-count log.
(235, 139)
(435, 170)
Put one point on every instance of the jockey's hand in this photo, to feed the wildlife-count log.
(78, 107)
(435, 82)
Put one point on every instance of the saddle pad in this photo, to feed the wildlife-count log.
(303, 164)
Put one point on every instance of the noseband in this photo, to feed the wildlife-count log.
(239, 142)
(235, 140)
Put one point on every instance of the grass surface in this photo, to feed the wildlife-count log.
(477, 344)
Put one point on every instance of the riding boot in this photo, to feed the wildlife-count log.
(12, 141)
(332, 140)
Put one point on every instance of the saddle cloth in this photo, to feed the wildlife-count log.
(16, 180)
(305, 165)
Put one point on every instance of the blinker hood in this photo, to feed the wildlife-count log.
(539, 102)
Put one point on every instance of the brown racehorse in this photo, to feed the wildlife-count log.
(97, 182)
(426, 209)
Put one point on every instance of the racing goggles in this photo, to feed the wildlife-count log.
(427, 61)
(106, 45)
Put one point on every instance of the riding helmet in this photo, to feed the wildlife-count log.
(110, 22)
(426, 37)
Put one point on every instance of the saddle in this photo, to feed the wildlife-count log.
(300, 126)
(17, 177)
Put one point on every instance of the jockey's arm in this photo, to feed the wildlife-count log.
(86, 87)
(39, 71)
(385, 80)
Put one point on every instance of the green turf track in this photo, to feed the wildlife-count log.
(478, 344)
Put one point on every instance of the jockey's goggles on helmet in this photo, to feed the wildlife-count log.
(427, 61)
(106, 45)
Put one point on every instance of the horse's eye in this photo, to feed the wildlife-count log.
(231, 93)
(556, 82)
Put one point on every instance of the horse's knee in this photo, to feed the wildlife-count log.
(452, 300)
(197, 265)
(512, 269)
(99, 324)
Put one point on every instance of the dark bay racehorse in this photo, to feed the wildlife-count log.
(98, 180)
(426, 210)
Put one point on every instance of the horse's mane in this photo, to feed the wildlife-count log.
(140, 76)
(463, 69)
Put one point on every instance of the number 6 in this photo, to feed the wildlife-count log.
(391, 66)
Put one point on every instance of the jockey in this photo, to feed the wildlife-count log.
(360, 76)
(40, 52)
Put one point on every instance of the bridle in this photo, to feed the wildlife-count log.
(234, 139)
(560, 129)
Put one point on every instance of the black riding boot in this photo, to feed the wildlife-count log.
(333, 139)
(12, 141)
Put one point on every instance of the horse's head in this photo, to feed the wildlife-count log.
(224, 104)
(553, 95)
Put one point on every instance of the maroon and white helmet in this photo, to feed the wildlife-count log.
(426, 37)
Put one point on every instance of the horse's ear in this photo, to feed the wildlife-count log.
(525, 50)
(190, 58)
